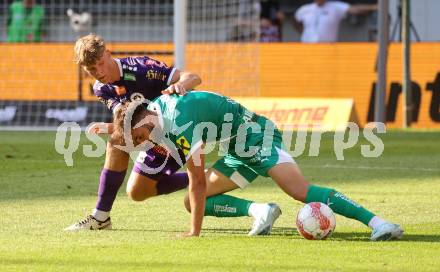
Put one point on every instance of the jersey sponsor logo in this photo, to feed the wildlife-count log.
(160, 150)
(183, 145)
(8, 113)
(152, 62)
(120, 90)
(152, 74)
(66, 115)
(339, 195)
(261, 155)
(129, 77)
(225, 208)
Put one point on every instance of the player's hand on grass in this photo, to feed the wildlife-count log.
(188, 235)
(176, 88)
(99, 128)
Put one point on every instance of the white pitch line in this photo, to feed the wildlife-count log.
(302, 166)
(374, 167)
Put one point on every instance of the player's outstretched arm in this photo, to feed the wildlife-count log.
(197, 191)
(361, 9)
(182, 82)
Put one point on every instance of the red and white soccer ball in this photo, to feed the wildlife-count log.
(315, 221)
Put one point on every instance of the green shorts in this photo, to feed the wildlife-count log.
(241, 168)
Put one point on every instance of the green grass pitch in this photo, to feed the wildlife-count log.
(40, 195)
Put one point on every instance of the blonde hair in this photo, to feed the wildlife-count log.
(89, 49)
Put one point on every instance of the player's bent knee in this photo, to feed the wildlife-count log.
(140, 188)
(140, 194)
(135, 195)
(289, 178)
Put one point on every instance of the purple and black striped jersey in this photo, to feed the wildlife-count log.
(139, 76)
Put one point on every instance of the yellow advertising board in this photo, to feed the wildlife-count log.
(302, 113)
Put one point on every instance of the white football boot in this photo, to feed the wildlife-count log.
(90, 223)
(265, 219)
(387, 231)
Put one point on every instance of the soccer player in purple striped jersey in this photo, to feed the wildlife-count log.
(135, 76)
(119, 80)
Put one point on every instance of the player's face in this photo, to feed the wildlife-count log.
(102, 69)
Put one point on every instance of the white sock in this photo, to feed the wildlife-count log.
(255, 208)
(375, 222)
(100, 215)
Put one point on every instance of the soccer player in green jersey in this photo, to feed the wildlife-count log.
(252, 145)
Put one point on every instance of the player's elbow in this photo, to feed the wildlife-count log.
(197, 79)
(194, 78)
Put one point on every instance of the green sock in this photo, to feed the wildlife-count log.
(339, 203)
(226, 206)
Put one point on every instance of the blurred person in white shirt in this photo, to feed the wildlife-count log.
(320, 21)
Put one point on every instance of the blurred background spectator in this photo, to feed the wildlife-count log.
(25, 21)
(320, 21)
(124, 22)
(271, 21)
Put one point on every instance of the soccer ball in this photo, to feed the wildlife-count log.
(315, 221)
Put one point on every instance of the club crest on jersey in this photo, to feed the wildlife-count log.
(137, 97)
(183, 144)
(152, 74)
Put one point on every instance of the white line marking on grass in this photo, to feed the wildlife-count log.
(373, 167)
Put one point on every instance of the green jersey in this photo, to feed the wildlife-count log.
(250, 145)
(25, 23)
(199, 117)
